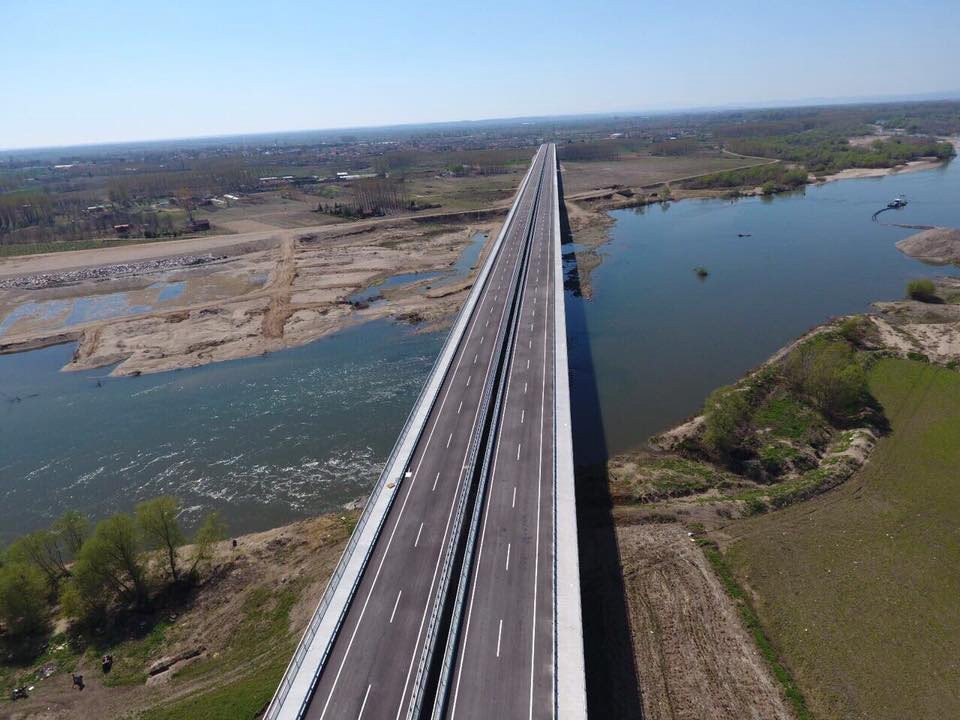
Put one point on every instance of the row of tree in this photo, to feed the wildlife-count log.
(379, 195)
(675, 148)
(775, 176)
(123, 562)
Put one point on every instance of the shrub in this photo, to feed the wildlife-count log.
(854, 329)
(922, 289)
(828, 373)
(43, 550)
(157, 520)
(727, 416)
(23, 599)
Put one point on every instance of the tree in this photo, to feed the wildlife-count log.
(212, 530)
(109, 568)
(43, 549)
(23, 599)
(157, 519)
(73, 528)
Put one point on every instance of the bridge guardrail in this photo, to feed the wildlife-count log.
(378, 505)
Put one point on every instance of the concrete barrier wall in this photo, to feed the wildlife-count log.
(297, 684)
(571, 692)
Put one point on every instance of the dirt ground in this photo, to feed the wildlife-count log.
(694, 657)
(299, 557)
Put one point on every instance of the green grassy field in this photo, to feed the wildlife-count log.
(859, 589)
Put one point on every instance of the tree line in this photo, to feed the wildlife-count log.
(94, 572)
(823, 152)
(773, 177)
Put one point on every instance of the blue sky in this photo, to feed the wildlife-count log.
(106, 70)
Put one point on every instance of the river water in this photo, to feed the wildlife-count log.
(271, 439)
(655, 339)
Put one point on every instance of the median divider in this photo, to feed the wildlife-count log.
(299, 680)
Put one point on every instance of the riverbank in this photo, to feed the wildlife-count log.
(852, 173)
(260, 293)
(223, 647)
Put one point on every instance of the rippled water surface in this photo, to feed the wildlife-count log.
(274, 438)
(265, 439)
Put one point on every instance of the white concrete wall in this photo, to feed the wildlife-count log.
(571, 691)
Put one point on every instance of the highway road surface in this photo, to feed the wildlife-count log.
(371, 670)
(504, 661)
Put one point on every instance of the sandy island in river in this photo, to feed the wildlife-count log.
(248, 294)
(938, 245)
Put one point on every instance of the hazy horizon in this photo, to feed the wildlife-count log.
(731, 107)
(109, 73)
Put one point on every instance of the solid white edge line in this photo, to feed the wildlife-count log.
(536, 552)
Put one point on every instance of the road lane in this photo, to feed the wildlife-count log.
(370, 665)
(505, 647)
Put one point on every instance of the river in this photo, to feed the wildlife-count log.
(655, 338)
(270, 439)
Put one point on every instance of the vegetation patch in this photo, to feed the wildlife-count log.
(787, 417)
(648, 478)
(244, 698)
(827, 151)
(922, 289)
(860, 590)
(750, 620)
(772, 177)
(266, 615)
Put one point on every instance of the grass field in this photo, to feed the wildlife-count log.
(465, 193)
(859, 589)
(636, 170)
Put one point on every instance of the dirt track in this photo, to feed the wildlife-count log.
(279, 311)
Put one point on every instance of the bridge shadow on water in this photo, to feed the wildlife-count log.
(613, 688)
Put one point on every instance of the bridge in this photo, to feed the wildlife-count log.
(458, 595)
